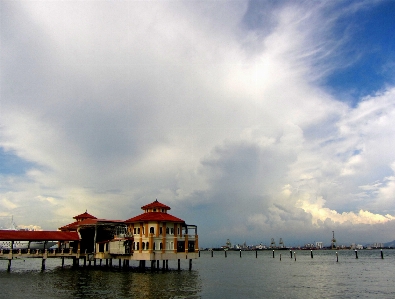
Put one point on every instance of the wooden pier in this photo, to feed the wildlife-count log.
(152, 236)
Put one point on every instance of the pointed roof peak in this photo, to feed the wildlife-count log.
(155, 204)
(84, 215)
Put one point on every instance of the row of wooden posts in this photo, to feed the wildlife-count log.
(294, 254)
(123, 263)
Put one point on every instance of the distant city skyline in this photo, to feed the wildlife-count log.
(250, 119)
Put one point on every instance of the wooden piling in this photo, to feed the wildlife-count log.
(311, 253)
(256, 253)
(240, 252)
(290, 253)
(212, 253)
(381, 253)
(356, 253)
(179, 265)
(295, 255)
(225, 254)
(62, 261)
(273, 253)
(337, 257)
(280, 256)
(190, 264)
(9, 265)
(42, 264)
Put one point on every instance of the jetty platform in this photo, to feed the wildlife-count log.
(152, 236)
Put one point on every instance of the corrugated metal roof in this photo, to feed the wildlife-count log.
(155, 216)
(22, 235)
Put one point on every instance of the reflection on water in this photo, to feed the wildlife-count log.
(90, 282)
(213, 277)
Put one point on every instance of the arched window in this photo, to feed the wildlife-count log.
(167, 230)
(151, 230)
(143, 246)
(147, 245)
(160, 246)
(138, 245)
(154, 246)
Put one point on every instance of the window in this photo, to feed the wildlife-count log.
(151, 230)
(143, 246)
(172, 231)
(154, 210)
(178, 231)
(138, 230)
(191, 246)
(147, 246)
(160, 246)
(167, 230)
(160, 230)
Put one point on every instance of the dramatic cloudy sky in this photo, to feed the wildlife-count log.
(251, 119)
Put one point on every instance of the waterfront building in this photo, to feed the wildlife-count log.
(151, 236)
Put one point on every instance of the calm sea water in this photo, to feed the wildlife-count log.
(369, 276)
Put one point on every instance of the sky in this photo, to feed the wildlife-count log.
(251, 119)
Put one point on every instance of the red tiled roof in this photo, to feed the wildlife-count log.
(76, 224)
(84, 215)
(155, 204)
(23, 235)
(154, 216)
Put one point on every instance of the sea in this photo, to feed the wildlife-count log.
(246, 274)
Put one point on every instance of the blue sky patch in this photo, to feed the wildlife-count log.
(370, 51)
(12, 164)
